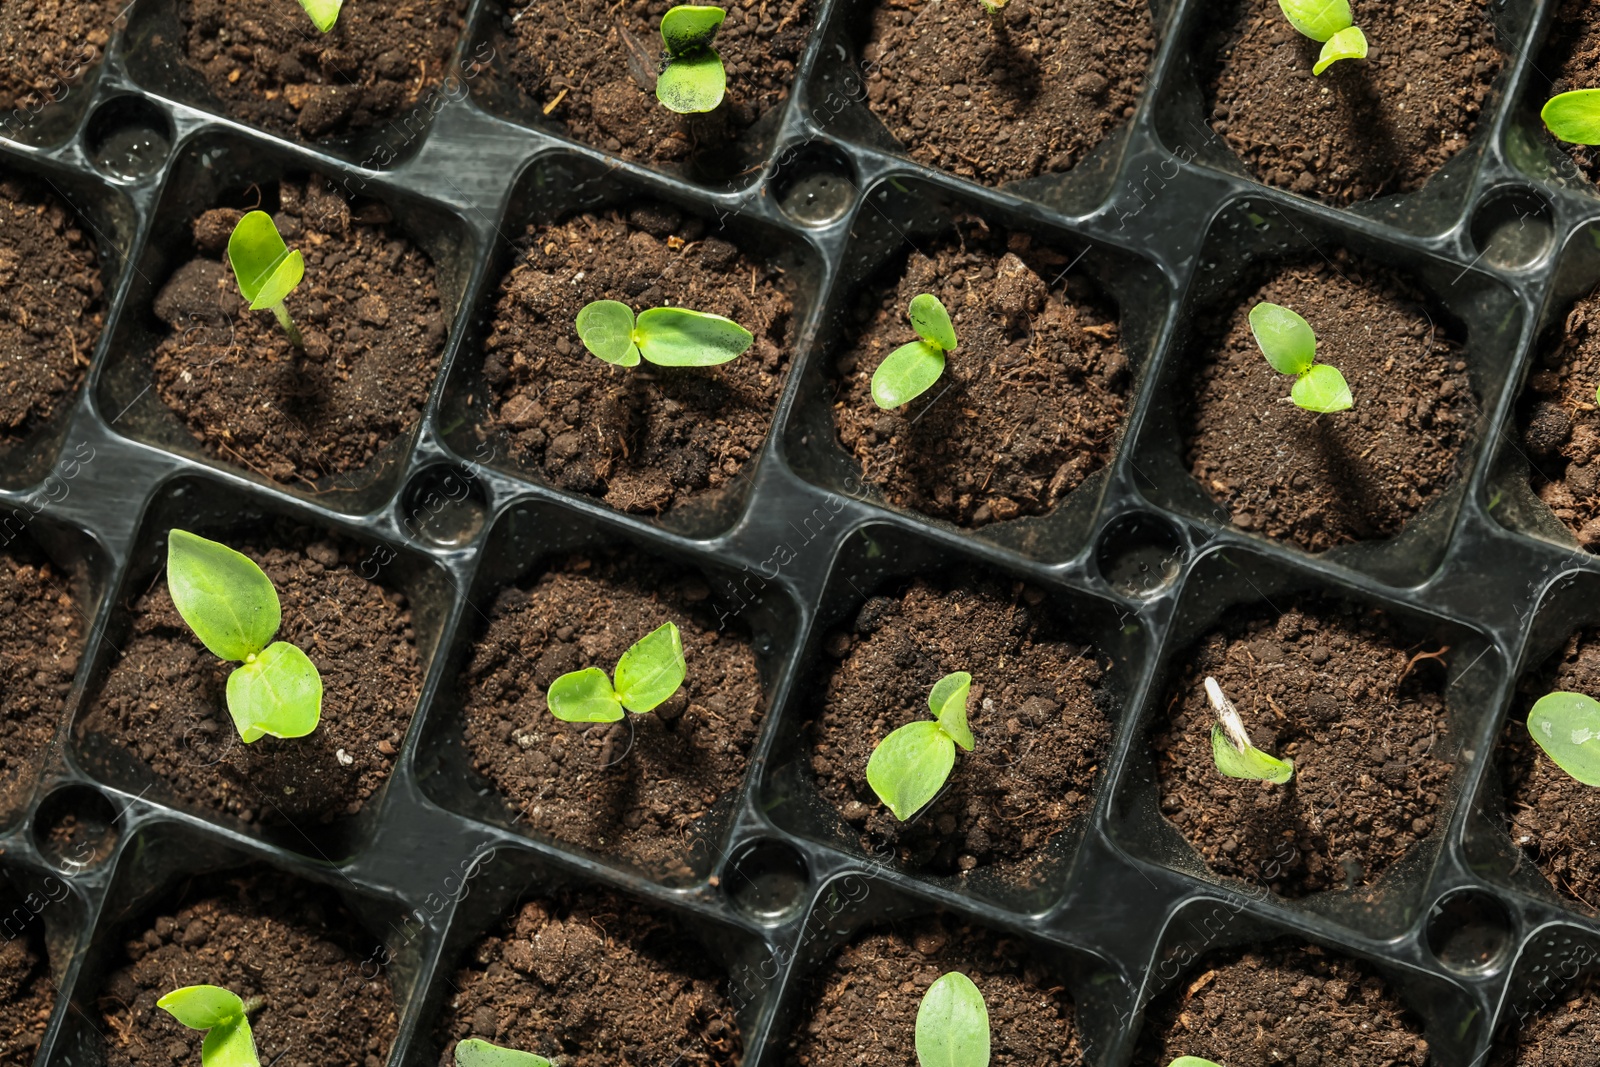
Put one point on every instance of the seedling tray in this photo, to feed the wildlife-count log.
(1163, 218)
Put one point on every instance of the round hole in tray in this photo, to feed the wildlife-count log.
(1469, 931)
(444, 506)
(814, 185)
(1512, 227)
(128, 138)
(766, 880)
(1139, 555)
(76, 828)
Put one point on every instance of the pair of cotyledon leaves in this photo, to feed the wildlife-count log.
(911, 765)
(266, 269)
(221, 1014)
(1231, 748)
(667, 337)
(1328, 22)
(910, 370)
(1290, 346)
(694, 80)
(323, 12)
(231, 606)
(647, 674)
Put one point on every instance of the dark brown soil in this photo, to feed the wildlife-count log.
(51, 306)
(1029, 405)
(326, 997)
(590, 67)
(1554, 818)
(163, 698)
(596, 981)
(1037, 97)
(1570, 58)
(27, 993)
(1358, 706)
(46, 49)
(1364, 128)
(635, 788)
(1355, 475)
(641, 438)
(1281, 1005)
(1559, 1035)
(862, 1009)
(1561, 425)
(272, 69)
(374, 331)
(41, 640)
(1036, 710)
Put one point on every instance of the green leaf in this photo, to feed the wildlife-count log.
(677, 337)
(200, 1007)
(693, 83)
(229, 1045)
(910, 766)
(932, 321)
(1317, 19)
(948, 702)
(606, 329)
(1322, 388)
(324, 13)
(1348, 43)
(1192, 1061)
(652, 670)
(265, 268)
(688, 27)
(583, 696)
(953, 1024)
(475, 1052)
(1567, 727)
(1251, 763)
(1285, 338)
(1574, 116)
(906, 373)
(225, 598)
(279, 692)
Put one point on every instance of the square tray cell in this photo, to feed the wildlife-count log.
(43, 920)
(680, 444)
(154, 721)
(1551, 1006)
(1378, 703)
(1051, 670)
(373, 351)
(1054, 436)
(1393, 516)
(557, 592)
(54, 57)
(1557, 51)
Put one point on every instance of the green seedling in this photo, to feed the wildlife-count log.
(1192, 1061)
(1290, 346)
(225, 1019)
(694, 80)
(266, 270)
(910, 370)
(1329, 22)
(667, 337)
(1574, 116)
(1236, 757)
(1567, 727)
(911, 765)
(475, 1052)
(647, 674)
(323, 12)
(953, 1024)
(231, 606)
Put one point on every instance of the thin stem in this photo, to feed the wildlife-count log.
(997, 16)
(252, 1004)
(288, 325)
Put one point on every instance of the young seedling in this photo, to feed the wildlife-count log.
(667, 337)
(232, 608)
(1567, 727)
(694, 80)
(996, 10)
(1192, 1061)
(323, 12)
(953, 1024)
(225, 1019)
(1291, 347)
(266, 270)
(476, 1052)
(647, 674)
(1330, 22)
(1230, 746)
(1574, 116)
(910, 370)
(910, 766)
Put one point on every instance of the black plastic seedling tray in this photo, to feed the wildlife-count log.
(1504, 238)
